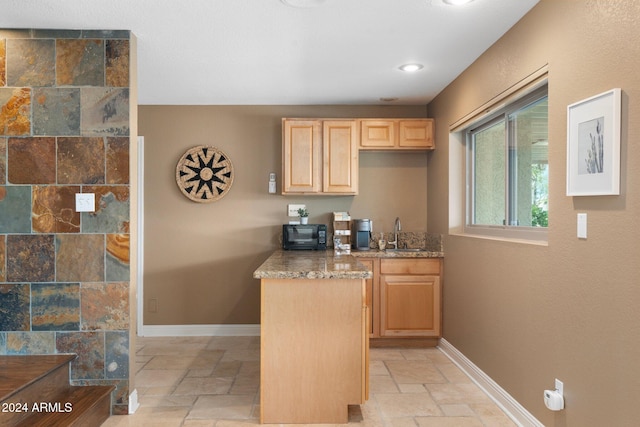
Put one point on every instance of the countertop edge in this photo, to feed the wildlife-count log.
(374, 253)
(311, 265)
(311, 275)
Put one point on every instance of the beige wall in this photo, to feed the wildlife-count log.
(199, 258)
(529, 314)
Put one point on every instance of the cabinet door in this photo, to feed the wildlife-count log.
(410, 305)
(416, 134)
(301, 156)
(370, 297)
(339, 142)
(378, 133)
(365, 353)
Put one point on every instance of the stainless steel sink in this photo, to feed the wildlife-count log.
(406, 250)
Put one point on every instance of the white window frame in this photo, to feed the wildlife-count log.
(459, 185)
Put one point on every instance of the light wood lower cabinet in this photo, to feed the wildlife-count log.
(410, 306)
(405, 297)
(314, 351)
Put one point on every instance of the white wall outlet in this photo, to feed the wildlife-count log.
(293, 209)
(85, 202)
(153, 305)
(559, 387)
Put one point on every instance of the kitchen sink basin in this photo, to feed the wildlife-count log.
(405, 250)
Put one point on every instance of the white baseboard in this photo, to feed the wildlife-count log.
(509, 405)
(199, 330)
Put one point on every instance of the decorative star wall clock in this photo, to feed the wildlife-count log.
(204, 174)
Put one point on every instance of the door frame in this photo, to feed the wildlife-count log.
(140, 237)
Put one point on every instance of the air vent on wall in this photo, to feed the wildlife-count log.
(303, 3)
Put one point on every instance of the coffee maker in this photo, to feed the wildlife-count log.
(361, 234)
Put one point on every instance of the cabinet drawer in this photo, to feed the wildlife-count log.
(410, 266)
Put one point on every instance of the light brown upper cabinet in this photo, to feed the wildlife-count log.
(340, 149)
(301, 156)
(320, 156)
(401, 134)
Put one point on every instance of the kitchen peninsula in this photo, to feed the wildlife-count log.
(314, 343)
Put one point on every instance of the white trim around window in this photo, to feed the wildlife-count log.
(458, 185)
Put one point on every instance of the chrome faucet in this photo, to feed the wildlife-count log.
(396, 227)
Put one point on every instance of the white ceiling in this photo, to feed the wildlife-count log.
(223, 52)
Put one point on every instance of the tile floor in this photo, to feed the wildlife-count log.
(214, 381)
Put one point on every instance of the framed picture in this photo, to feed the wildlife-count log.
(593, 145)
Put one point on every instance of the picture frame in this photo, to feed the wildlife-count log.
(593, 145)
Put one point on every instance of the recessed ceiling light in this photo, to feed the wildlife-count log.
(388, 99)
(410, 68)
(457, 2)
(303, 3)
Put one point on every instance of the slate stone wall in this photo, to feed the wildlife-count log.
(64, 129)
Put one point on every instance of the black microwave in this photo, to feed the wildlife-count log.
(304, 237)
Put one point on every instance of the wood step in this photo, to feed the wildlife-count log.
(18, 373)
(35, 391)
(79, 406)
(29, 379)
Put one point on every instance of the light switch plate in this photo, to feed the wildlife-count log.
(85, 202)
(582, 226)
(293, 209)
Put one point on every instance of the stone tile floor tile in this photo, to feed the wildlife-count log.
(214, 382)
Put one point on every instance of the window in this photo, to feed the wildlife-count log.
(507, 170)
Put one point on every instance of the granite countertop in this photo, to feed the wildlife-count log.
(311, 265)
(391, 253)
(423, 245)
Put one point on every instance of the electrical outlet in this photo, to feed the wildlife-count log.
(85, 202)
(153, 305)
(559, 387)
(293, 209)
